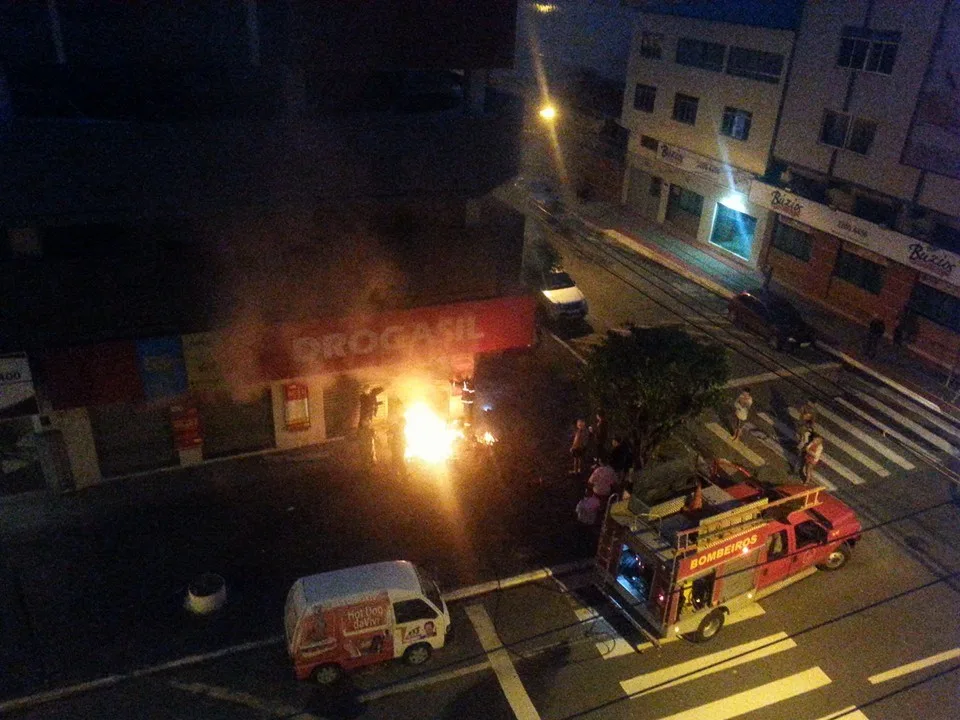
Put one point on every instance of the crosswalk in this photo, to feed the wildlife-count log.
(867, 436)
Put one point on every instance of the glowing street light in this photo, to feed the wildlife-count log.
(548, 112)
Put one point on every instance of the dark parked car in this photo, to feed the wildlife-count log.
(772, 317)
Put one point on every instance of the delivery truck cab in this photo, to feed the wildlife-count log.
(339, 620)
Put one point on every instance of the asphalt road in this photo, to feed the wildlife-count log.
(878, 640)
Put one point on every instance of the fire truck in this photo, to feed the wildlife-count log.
(716, 541)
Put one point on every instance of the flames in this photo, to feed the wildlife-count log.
(429, 437)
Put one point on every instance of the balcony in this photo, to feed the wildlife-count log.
(74, 170)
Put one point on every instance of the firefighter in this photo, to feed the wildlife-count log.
(468, 396)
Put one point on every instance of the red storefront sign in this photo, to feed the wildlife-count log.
(416, 335)
(185, 422)
(296, 407)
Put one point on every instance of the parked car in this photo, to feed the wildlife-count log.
(559, 298)
(771, 317)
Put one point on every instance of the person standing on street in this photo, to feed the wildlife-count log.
(600, 432)
(397, 439)
(578, 448)
(811, 456)
(808, 413)
(804, 435)
(621, 460)
(874, 336)
(602, 481)
(741, 411)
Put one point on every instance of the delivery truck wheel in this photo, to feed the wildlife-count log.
(417, 654)
(710, 626)
(837, 559)
(327, 674)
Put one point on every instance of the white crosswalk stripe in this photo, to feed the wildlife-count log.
(848, 713)
(882, 427)
(846, 447)
(837, 467)
(759, 697)
(931, 417)
(864, 437)
(795, 371)
(906, 422)
(706, 665)
(735, 445)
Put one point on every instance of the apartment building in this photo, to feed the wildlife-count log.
(864, 187)
(221, 221)
(701, 104)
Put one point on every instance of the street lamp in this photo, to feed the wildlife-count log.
(548, 112)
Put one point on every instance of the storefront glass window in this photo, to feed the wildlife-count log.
(791, 241)
(937, 306)
(733, 231)
(859, 271)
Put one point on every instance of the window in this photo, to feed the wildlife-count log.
(809, 533)
(651, 45)
(735, 123)
(687, 200)
(733, 231)
(844, 131)
(778, 545)
(701, 54)
(755, 64)
(644, 97)
(685, 109)
(793, 242)
(655, 186)
(859, 271)
(410, 610)
(870, 50)
(936, 306)
(649, 143)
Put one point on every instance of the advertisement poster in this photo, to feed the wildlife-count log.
(296, 407)
(17, 396)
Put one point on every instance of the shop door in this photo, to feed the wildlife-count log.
(643, 194)
(733, 231)
(341, 407)
(230, 427)
(132, 438)
(684, 208)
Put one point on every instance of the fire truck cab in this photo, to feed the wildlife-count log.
(719, 541)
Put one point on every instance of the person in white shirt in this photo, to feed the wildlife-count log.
(811, 456)
(588, 510)
(741, 411)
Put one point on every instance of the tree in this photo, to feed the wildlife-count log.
(650, 381)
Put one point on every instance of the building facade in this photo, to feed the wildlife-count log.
(219, 224)
(864, 187)
(701, 105)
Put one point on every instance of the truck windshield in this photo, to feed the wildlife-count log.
(430, 589)
(558, 281)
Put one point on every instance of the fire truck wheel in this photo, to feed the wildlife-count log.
(837, 559)
(327, 674)
(417, 654)
(710, 625)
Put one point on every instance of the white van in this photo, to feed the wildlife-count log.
(359, 616)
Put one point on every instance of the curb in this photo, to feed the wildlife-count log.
(465, 593)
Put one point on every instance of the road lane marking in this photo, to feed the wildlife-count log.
(502, 665)
(838, 468)
(614, 645)
(424, 682)
(797, 371)
(914, 666)
(932, 417)
(236, 697)
(757, 698)
(885, 429)
(568, 346)
(846, 447)
(745, 613)
(916, 428)
(864, 437)
(706, 665)
(848, 713)
(738, 446)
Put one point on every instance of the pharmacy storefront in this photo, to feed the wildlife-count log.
(135, 406)
(700, 198)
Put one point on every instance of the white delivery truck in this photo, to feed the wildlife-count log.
(359, 616)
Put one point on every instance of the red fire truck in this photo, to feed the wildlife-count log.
(716, 541)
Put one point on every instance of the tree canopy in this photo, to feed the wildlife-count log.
(650, 381)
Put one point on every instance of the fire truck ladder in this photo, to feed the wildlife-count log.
(716, 528)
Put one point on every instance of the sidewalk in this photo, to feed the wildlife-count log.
(839, 334)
